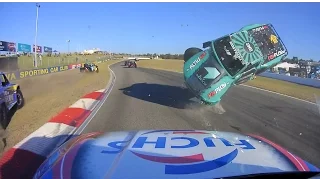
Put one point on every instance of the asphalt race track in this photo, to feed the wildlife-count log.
(151, 99)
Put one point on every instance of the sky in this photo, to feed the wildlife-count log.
(156, 27)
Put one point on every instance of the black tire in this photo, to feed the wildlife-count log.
(4, 116)
(190, 52)
(20, 99)
(97, 70)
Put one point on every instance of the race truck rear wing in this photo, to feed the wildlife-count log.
(206, 44)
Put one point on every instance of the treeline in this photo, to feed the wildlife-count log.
(171, 56)
(296, 60)
(162, 56)
(154, 55)
(293, 60)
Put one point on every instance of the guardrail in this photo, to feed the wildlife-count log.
(15, 75)
(298, 80)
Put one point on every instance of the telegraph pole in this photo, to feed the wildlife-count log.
(68, 41)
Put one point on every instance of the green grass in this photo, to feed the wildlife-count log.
(283, 87)
(25, 62)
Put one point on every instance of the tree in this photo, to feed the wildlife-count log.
(295, 60)
(288, 60)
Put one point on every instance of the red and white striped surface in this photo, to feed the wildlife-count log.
(24, 158)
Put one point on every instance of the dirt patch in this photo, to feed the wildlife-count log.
(287, 88)
(49, 94)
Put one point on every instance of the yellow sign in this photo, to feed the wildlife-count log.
(273, 39)
(11, 76)
(34, 72)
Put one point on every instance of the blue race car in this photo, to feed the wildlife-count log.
(10, 98)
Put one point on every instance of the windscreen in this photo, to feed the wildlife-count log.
(228, 56)
(268, 42)
(207, 73)
(204, 76)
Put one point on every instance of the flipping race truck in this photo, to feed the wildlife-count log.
(231, 60)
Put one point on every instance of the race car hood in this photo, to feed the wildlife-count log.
(169, 154)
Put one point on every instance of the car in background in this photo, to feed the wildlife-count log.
(131, 63)
(126, 62)
(89, 67)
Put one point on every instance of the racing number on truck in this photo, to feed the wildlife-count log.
(249, 47)
(8, 94)
(8, 97)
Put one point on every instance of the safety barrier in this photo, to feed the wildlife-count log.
(15, 75)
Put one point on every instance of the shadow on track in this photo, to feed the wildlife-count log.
(166, 95)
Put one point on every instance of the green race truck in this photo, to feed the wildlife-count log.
(231, 60)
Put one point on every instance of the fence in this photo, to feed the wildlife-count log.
(27, 62)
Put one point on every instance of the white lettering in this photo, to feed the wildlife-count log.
(218, 89)
(222, 86)
(201, 79)
(259, 28)
(237, 55)
(276, 54)
(194, 63)
(279, 53)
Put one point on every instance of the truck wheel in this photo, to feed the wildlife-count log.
(190, 52)
(3, 116)
(20, 99)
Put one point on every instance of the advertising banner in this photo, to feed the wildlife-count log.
(3, 46)
(24, 47)
(74, 66)
(35, 72)
(39, 49)
(47, 49)
(12, 47)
